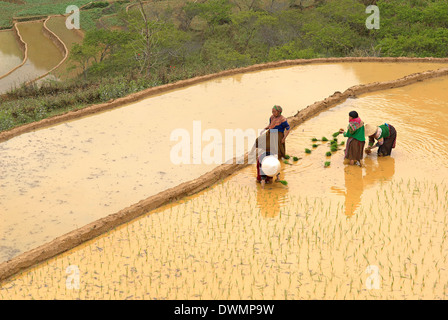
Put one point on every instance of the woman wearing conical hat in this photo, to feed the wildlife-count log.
(386, 137)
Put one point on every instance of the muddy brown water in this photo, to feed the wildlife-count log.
(69, 36)
(60, 178)
(316, 238)
(10, 53)
(43, 55)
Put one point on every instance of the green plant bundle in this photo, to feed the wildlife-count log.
(327, 164)
(295, 159)
(342, 143)
(287, 157)
(335, 134)
(314, 145)
(324, 139)
(307, 151)
(314, 139)
(334, 148)
(283, 182)
(328, 154)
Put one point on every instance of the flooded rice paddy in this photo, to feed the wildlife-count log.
(61, 178)
(43, 55)
(56, 24)
(10, 54)
(319, 237)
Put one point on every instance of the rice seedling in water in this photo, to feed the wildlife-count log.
(324, 139)
(287, 157)
(295, 159)
(283, 182)
(314, 139)
(328, 154)
(307, 151)
(314, 145)
(335, 134)
(342, 143)
(334, 148)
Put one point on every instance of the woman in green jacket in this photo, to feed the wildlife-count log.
(356, 138)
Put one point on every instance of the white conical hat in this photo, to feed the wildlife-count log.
(370, 129)
(270, 165)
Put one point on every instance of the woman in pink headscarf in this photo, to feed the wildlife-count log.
(277, 124)
(356, 138)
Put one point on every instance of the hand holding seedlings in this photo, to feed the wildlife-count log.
(283, 182)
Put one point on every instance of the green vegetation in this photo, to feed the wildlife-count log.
(327, 164)
(307, 151)
(177, 39)
(328, 154)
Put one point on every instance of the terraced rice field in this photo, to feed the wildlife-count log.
(324, 236)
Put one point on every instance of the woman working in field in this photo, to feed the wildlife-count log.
(356, 138)
(277, 125)
(386, 137)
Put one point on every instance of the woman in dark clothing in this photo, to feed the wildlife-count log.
(386, 137)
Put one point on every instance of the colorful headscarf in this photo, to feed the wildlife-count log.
(278, 108)
(276, 121)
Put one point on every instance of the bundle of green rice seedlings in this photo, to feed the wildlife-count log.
(342, 143)
(314, 145)
(324, 139)
(328, 154)
(283, 182)
(333, 148)
(286, 162)
(307, 151)
(314, 139)
(335, 134)
(287, 157)
(295, 159)
(327, 164)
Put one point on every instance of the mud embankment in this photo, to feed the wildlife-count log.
(96, 228)
(23, 47)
